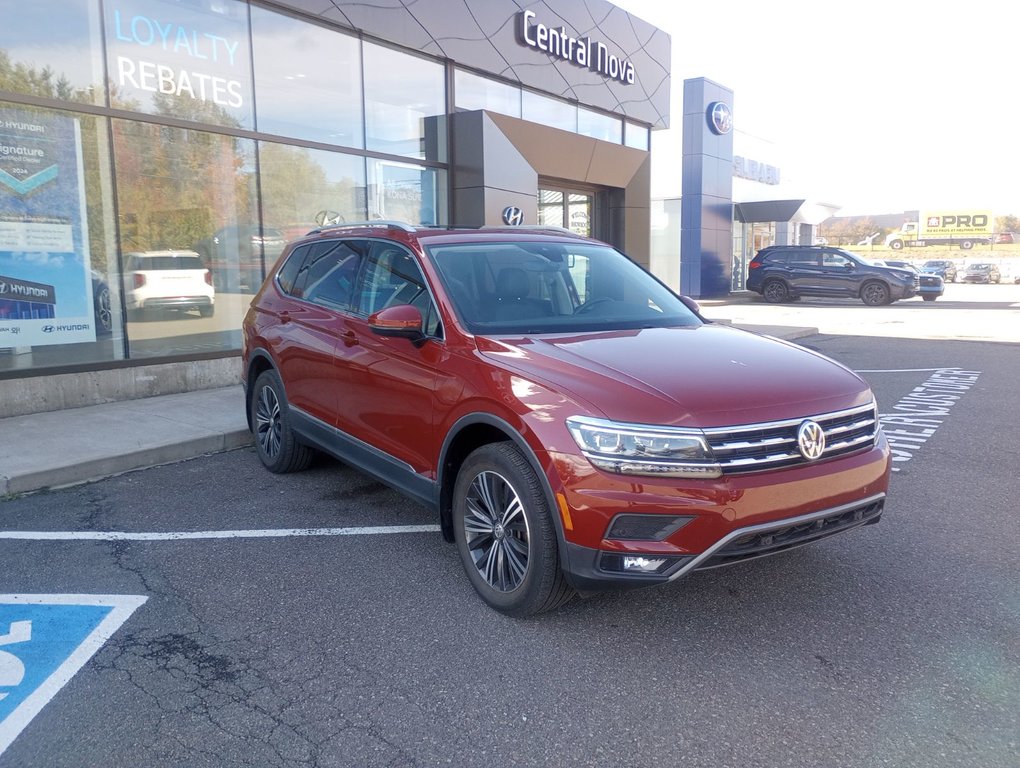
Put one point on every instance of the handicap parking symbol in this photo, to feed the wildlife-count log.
(44, 641)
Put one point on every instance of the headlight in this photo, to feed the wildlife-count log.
(639, 449)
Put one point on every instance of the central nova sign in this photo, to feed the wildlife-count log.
(582, 51)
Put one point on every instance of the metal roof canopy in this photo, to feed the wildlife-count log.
(793, 211)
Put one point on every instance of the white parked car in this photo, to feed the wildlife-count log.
(168, 280)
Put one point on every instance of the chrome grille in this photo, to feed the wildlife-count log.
(754, 447)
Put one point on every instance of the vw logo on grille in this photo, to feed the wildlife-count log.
(811, 440)
(513, 216)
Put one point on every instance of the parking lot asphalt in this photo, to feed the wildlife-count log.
(80, 445)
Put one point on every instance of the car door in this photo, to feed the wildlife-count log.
(312, 321)
(804, 267)
(839, 275)
(389, 401)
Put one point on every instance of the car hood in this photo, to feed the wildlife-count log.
(703, 376)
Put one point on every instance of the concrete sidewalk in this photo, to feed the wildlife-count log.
(77, 445)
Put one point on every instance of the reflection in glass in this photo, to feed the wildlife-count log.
(191, 193)
(185, 61)
(551, 112)
(307, 80)
(475, 92)
(404, 98)
(304, 188)
(51, 48)
(406, 192)
(599, 126)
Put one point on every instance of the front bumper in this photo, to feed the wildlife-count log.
(738, 546)
(730, 519)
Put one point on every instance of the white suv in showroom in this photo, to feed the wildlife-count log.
(168, 280)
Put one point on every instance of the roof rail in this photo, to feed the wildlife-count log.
(545, 227)
(402, 225)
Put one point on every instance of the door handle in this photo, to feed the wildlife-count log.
(284, 317)
(348, 338)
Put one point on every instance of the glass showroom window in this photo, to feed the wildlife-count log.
(306, 188)
(551, 112)
(474, 92)
(307, 80)
(189, 196)
(599, 126)
(180, 60)
(51, 48)
(635, 136)
(59, 304)
(405, 104)
(406, 192)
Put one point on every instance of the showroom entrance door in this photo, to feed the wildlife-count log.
(571, 209)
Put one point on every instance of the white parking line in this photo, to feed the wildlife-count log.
(175, 535)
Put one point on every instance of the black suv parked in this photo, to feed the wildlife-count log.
(784, 272)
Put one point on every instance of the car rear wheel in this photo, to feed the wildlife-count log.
(875, 294)
(207, 311)
(775, 292)
(929, 298)
(103, 310)
(275, 442)
(505, 533)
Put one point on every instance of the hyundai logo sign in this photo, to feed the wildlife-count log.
(720, 118)
(513, 216)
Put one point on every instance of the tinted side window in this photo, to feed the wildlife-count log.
(289, 271)
(778, 258)
(392, 277)
(328, 273)
(803, 259)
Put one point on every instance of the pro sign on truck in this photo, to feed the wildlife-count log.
(951, 227)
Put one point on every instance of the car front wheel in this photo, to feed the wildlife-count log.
(505, 533)
(275, 442)
(875, 294)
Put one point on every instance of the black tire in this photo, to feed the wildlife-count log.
(775, 292)
(103, 311)
(207, 311)
(929, 298)
(276, 444)
(505, 533)
(966, 245)
(875, 294)
(896, 245)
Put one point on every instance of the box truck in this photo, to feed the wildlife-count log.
(963, 228)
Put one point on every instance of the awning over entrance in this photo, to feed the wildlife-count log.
(793, 211)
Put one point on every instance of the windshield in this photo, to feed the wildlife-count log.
(541, 287)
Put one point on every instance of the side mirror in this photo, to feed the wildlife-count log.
(401, 321)
(692, 305)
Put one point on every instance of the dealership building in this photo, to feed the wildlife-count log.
(226, 127)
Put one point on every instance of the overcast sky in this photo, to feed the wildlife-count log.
(878, 106)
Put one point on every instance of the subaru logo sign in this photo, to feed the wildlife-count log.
(720, 118)
(513, 216)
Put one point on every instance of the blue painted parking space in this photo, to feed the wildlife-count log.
(44, 641)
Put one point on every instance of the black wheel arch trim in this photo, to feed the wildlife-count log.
(446, 491)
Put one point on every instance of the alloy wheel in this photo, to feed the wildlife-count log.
(268, 428)
(497, 533)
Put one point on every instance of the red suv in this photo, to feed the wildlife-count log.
(575, 424)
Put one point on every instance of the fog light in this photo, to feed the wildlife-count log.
(638, 564)
(643, 564)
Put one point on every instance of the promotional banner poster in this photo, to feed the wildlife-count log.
(45, 270)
